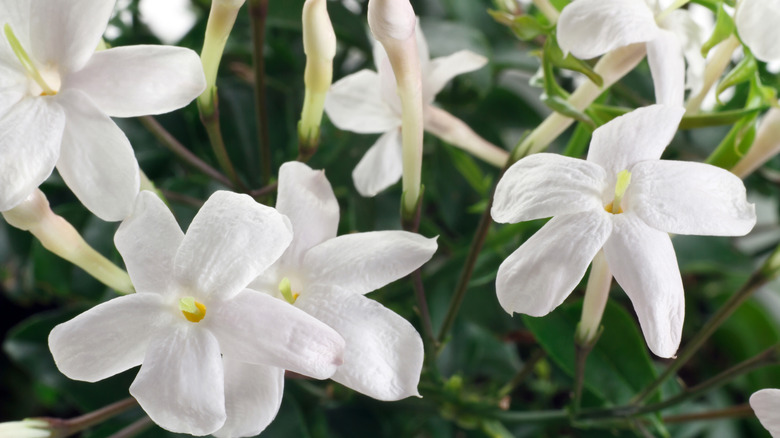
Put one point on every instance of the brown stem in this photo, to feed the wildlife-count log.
(258, 11)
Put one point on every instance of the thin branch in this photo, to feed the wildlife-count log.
(258, 11)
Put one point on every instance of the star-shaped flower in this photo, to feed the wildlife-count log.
(590, 28)
(57, 97)
(766, 404)
(212, 353)
(624, 200)
(328, 276)
(756, 22)
(366, 102)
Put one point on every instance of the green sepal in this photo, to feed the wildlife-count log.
(743, 72)
(553, 53)
(724, 28)
(525, 27)
(719, 118)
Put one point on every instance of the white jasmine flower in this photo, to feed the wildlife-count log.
(757, 26)
(766, 404)
(366, 102)
(327, 276)
(212, 353)
(624, 200)
(590, 28)
(57, 97)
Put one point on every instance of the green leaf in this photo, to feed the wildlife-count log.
(724, 27)
(561, 105)
(553, 52)
(743, 72)
(494, 429)
(619, 365)
(525, 27)
(470, 170)
(579, 141)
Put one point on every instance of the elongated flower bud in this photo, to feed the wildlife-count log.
(596, 295)
(319, 44)
(392, 23)
(59, 236)
(221, 20)
(765, 146)
(28, 428)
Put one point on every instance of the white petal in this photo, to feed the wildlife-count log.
(690, 198)
(307, 199)
(140, 80)
(766, 404)
(97, 161)
(17, 15)
(363, 262)
(181, 383)
(545, 185)
(640, 135)
(643, 262)
(256, 328)
(381, 166)
(253, 394)
(589, 28)
(230, 241)
(355, 103)
(107, 339)
(757, 26)
(148, 240)
(66, 33)
(442, 70)
(537, 277)
(667, 65)
(31, 134)
(13, 84)
(384, 353)
(692, 36)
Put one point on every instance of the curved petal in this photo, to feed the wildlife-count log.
(230, 241)
(640, 135)
(381, 166)
(253, 395)
(148, 241)
(690, 198)
(355, 103)
(537, 277)
(643, 262)
(589, 28)
(384, 354)
(30, 138)
(107, 339)
(97, 161)
(766, 404)
(256, 328)
(66, 34)
(545, 185)
(363, 262)
(140, 80)
(667, 65)
(181, 382)
(442, 70)
(757, 26)
(692, 36)
(307, 199)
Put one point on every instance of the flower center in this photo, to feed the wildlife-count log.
(623, 180)
(286, 290)
(193, 310)
(28, 64)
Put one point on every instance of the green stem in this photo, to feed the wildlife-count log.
(530, 416)
(210, 119)
(525, 371)
(739, 411)
(258, 11)
(134, 429)
(425, 316)
(65, 428)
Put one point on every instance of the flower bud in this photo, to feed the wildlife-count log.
(391, 20)
(27, 428)
(221, 20)
(596, 295)
(765, 146)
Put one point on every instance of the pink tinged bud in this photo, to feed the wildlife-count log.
(391, 19)
(765, 146)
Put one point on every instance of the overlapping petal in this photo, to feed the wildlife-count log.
(757, 26)
(690, 198)
(96, 160)
(640, 135)
(66, 33)
(589, 28)
(181, 384)
(692, 36)
(667, 66)
(363, 262)
(355, 103)
(537, 277)
(545, 185)
(381, 166)
(297, 341)
(384, 353)
(253, 394)
(442, 70)
(148, 241)
(307, 199)
(140, 80)
(109, 338)
(643, 262)
(766, 405)
(230, 241)
(13, 85)
(27, 152)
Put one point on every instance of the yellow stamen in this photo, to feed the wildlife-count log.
(623, 180)
(27, 63)
(286, 289)
(193, 310)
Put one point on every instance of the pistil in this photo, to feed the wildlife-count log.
(623, 180)
(193, 310)
(286, 290)
(27, 63)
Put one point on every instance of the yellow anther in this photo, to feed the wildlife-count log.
(27, 63)
(286, 290)
(623, 180)
(193, 310)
